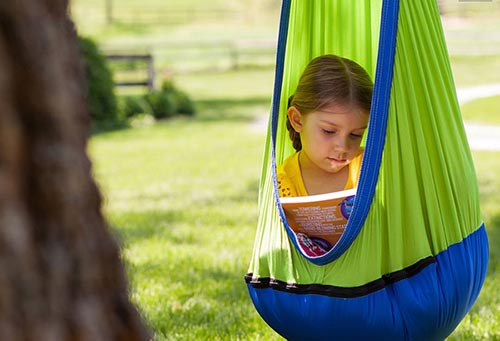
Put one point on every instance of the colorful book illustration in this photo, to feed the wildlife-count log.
(322, 217)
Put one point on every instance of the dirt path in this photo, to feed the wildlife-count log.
(476, 92)
(483, 137)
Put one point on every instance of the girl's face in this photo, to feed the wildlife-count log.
(331, 136)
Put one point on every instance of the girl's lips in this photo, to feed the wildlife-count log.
(335, 160)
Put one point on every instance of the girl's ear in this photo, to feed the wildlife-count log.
(295, 118)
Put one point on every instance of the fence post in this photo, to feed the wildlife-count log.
(109, 11)
(233, 54)
(151, 73)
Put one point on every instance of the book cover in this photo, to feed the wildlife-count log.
(322, 217)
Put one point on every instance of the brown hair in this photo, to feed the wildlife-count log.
(328, 79)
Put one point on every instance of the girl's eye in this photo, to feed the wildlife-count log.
(356, 136)
(328, 132)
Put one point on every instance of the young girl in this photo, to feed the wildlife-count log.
(327, 117)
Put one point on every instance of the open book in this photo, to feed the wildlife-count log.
(322, 217)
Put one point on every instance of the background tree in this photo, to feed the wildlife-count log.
(61, 275)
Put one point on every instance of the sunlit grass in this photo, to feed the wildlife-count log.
(232, 85)
(181, 196)
(483, 321)
(476, 69)
(484, 110)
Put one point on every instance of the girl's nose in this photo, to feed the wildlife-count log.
(341, 144)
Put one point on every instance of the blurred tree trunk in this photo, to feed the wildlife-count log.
(61, 276)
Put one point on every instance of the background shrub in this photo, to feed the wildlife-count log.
(162, 104)
(169, 101)
(131, 106)
(100, 86)
(185, 106)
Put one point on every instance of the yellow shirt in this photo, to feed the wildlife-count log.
(291, 184)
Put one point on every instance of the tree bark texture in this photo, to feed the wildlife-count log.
(61, 276)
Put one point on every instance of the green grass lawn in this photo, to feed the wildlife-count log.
(181, 196)
(483, 321)
(472, 32)
(182, 35)
(484, 110)
(154, 16)
(476, 70)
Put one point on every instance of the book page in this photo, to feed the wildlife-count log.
(323, 221)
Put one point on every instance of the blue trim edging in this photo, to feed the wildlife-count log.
(376, 131)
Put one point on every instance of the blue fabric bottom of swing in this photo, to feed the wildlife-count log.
(427, 306)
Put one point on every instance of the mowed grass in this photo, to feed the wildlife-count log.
(483, 110)
(483, 321)
(183, 36)
(476, 70)
(181, 196)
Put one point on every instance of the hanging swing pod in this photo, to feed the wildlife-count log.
(413, 257)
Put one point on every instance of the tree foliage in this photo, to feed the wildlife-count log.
(100, 87)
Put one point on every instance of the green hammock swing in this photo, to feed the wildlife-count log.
(414, 254)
